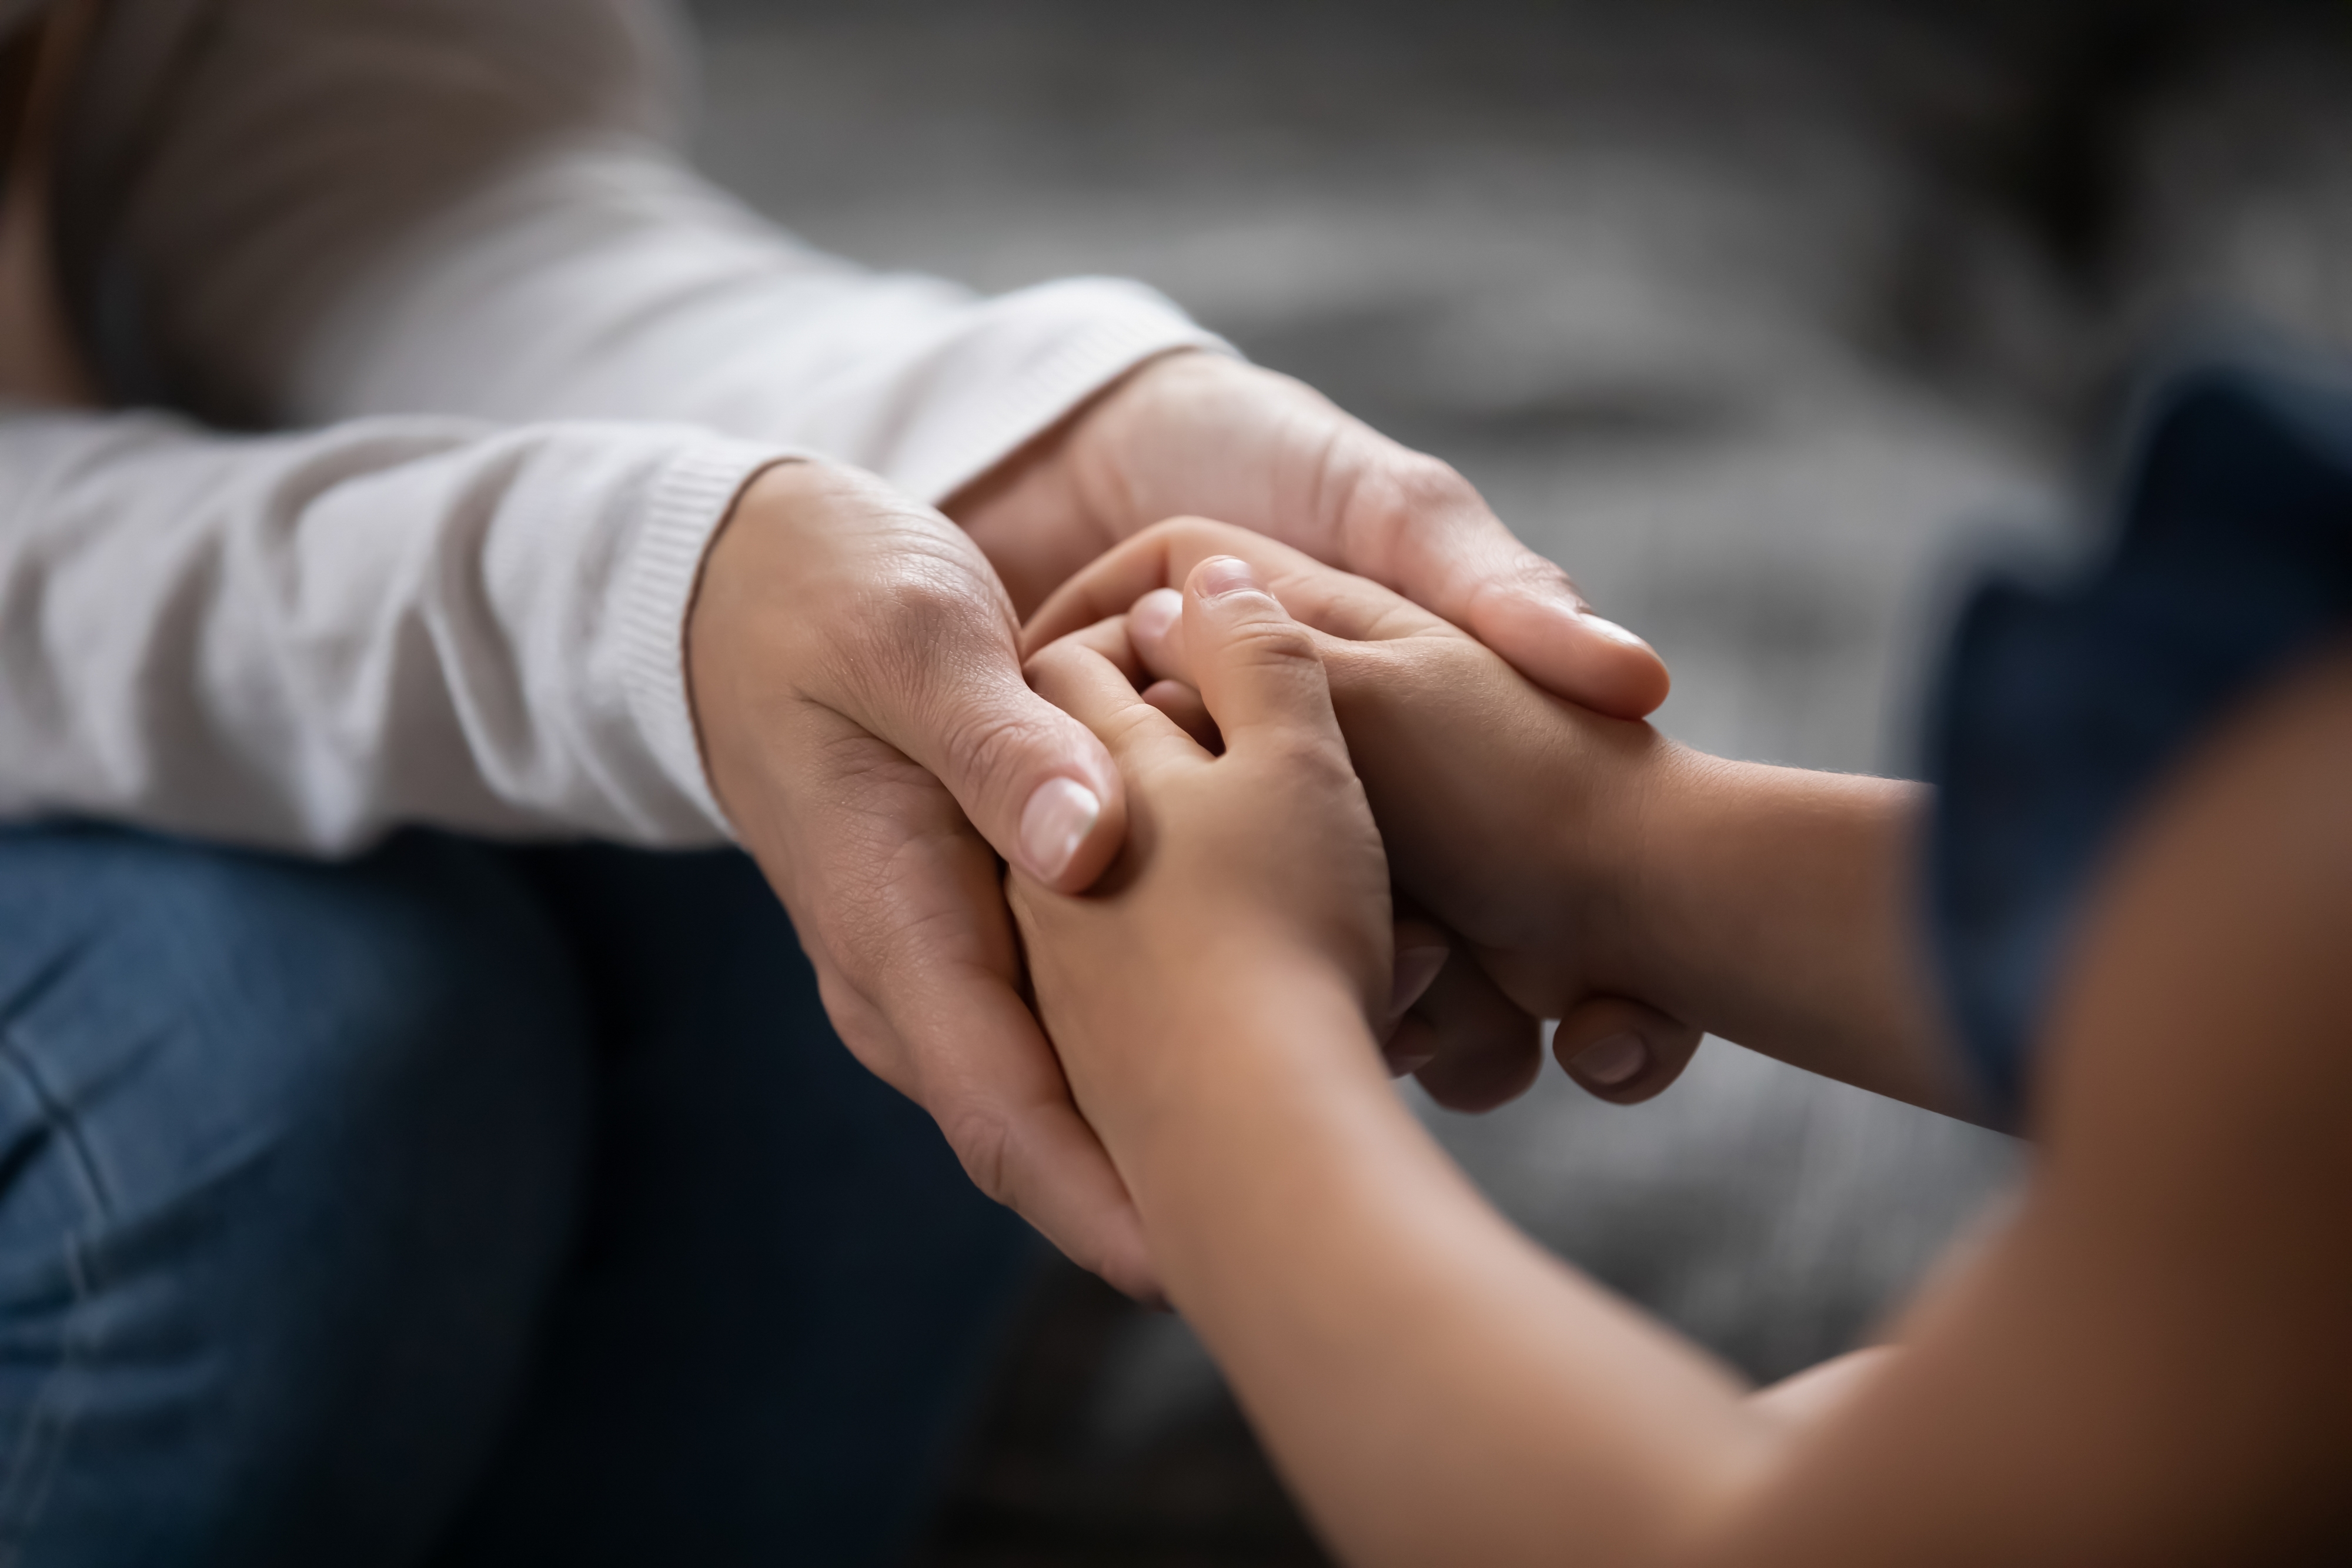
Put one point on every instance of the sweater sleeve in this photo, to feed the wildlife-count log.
(602, 280)
(405, 206)
(300, 641)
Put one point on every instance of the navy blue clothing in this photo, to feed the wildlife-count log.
(457, 1205)
(2064, 701)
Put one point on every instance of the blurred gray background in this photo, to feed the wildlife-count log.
(1753, 316)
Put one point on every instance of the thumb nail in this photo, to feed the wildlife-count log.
(1610, 630)
(1222, 574)
(1059, 816)
(1412, 973)
(1614, 1059)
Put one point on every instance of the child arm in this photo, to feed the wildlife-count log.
(1581, 857)
(2146, 1366)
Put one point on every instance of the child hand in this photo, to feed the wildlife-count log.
(1508, 814)
(1252, 885)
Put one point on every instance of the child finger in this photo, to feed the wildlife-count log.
(1162, 556)
(1184, 708)
(1088, 686)
(1155, 634)
(1105, 587)
(1113, 638)
(1257, 670)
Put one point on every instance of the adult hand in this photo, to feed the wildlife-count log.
(1199, 433)
(854, 666)
(1195, 432)
(1503, 811)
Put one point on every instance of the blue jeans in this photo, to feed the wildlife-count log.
(458, 1206)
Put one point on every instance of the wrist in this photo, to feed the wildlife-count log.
(1655, 855)
(1252, 1023)
(1607, 849)
(1275, 1059)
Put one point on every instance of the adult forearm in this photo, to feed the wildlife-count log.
(304, 641)
(603, 279)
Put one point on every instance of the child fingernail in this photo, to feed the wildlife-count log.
(1617, 1058)
(1148, 625)
(1414, 969)
(1059, 816)
(1222, 574)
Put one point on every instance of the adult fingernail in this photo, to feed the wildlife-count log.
(1054, 824)
(1414, 969)
(1614, 1060)
(1222, 574)
(1610, 630)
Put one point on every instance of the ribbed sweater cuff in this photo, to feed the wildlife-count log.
(690, 500)
(1066, 342)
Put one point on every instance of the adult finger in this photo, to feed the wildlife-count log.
(898, 903)
(1199, 435)
(1415, 524)
(1001, 1102)
(940, 680)
(1005, 1109)
(1421, 948)
(1163, 555)
(827, 586)
(1483, 1051)
(1622, 1050)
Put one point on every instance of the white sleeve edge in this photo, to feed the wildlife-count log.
(691, 499)
(1124, 325)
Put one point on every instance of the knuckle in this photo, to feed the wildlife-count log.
(926, 601)
(1527, 570)
(1420, 485)
(989, 747)
(983, 1143)
(1408, 489)
(1396, 501)
(1273, 642)
(921, 622)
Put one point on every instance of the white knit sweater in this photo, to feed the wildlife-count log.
(514, 410)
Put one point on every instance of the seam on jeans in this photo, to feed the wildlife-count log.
(68, 1127)
(32, 1468)
(45, 978)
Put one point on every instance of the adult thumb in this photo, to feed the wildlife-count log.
(1039, 786)
(1258, 671)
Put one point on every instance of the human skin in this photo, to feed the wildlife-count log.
(875, 632)
(2144, 1363)
(854, 668)
(1519, 820)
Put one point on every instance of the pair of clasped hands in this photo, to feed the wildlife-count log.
(856, 663)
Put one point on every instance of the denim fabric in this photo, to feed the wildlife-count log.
(456, 1205)
(2064, 701)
